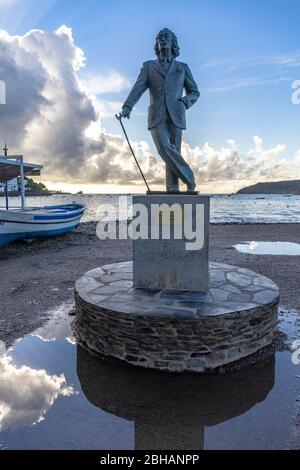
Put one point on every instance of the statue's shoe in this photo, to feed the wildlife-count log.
(173, 190)
(191, 187)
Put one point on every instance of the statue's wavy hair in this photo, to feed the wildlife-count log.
(175, 47)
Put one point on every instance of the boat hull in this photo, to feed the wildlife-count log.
(39, 222)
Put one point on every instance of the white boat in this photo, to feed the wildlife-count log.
(36, 222)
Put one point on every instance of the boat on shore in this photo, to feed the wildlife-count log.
(40, 222)
(35, 222)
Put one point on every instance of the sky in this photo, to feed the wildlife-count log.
(68, 66)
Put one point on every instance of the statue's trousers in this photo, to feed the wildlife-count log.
(167, 138)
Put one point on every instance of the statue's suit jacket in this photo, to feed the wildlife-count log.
(166, 89)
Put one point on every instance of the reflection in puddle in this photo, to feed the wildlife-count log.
(58, 325)
(171, 412)
(26, 394)
(54, 395)
(269, 248)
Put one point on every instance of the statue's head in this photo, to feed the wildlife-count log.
(166, 39)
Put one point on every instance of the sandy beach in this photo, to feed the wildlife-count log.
(36, 278)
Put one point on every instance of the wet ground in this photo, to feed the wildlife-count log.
(269, 248)
(54, 395)
(42, 275)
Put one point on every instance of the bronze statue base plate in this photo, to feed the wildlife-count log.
(168, 193)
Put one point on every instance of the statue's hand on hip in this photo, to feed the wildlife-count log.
(184, 101)
(126, 111)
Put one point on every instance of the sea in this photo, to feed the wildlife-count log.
(225, 209)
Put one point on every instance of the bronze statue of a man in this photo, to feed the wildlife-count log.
(166, 79)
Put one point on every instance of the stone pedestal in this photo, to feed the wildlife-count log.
(173, 253)
(176, 331)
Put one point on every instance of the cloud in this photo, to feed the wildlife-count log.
(229, 164)
(244, 82)
(53, 114)
(98, 83)
(107, 108)
(26, 394)
(25, 78)
(291, 59)
(253, 71)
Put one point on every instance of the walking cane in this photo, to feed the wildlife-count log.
(119, 118)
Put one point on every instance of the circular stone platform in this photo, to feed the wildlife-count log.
(176, 331)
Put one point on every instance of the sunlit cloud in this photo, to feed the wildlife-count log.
(107, 108)
(97, 84)
(110, 81)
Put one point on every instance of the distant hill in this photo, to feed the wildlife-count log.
(277, 187)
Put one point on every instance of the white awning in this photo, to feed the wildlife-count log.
(10, 168)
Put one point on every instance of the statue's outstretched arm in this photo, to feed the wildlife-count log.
(137, 91)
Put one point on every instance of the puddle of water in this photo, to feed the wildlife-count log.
(269, 248)
(54, 395)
